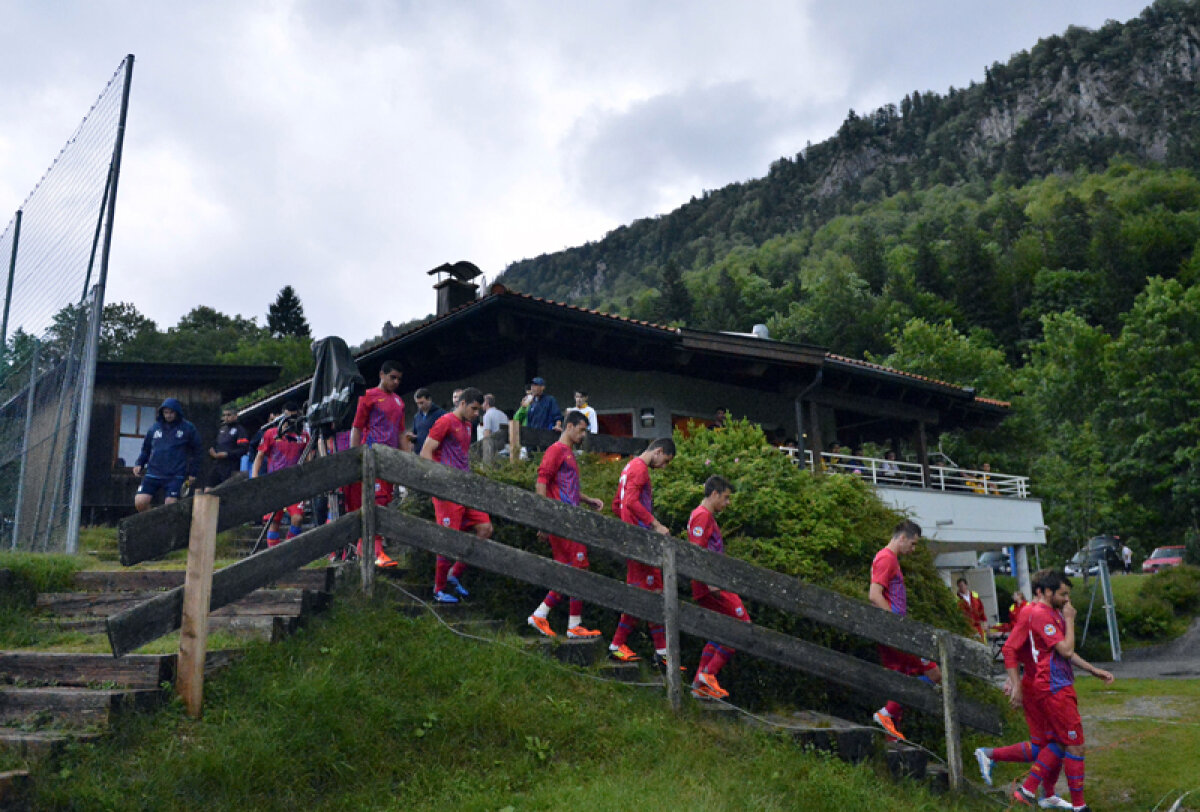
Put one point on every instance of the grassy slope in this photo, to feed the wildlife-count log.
(369, 709)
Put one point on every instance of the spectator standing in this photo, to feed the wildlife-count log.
(719, 419)
(558, 478)
(378, 420)
(170, 456)
(1126, 558)
(634, 504)
(970, 604)
(704, 533)
(494, 420)
(888, 592)
(427, 414)
(231, 445)
(449, 442)
(890, 468)
(543, 409)
(581, 405)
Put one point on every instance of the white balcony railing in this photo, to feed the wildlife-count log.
(894, 473)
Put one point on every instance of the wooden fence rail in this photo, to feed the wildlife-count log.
(842, 669)
(153, 534)
(626, 541)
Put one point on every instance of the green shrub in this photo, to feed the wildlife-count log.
(1177, 587)
(1145, 617)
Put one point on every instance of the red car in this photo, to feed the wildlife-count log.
(1163, 557)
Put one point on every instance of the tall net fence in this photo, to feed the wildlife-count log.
(55, 252)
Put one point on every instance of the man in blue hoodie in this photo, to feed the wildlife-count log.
(170, 455)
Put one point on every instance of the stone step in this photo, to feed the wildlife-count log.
(73, 707)
(318, 578)
(477, 625)
(130, 671)
(14, 788)
(847, 740)
(906, 761)
(41, 743)
(566, 650)
(622, 672)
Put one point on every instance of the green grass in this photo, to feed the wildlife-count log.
(368, 709)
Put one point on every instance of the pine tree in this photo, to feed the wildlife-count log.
(285, 317)
(674, 303)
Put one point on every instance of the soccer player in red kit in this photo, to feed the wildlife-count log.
(379, 419)
(704, 533)
(558, 478)
(282, 447)
(888, 593)
(1018, 662)
(1052, 646)
(449, 442)
(634, 503)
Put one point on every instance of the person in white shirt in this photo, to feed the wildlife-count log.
(493, 419)
(581, 405)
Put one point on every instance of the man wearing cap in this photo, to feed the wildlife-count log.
(543, 409)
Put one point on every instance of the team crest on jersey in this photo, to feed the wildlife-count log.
(1071, 734)
(1049, 629)
(179, 433)
(578, 556)
(698, 531)
(740, 611)
(446, 521)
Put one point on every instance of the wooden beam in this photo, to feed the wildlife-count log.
(877, 407)
(153, 534)
(626, 541)
(954, 762)
(524, 566)
(670, 594)
(163, 613)
(197, 590)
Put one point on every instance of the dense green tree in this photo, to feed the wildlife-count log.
(285, 316)
(674, 300)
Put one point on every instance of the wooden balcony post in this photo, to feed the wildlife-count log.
(670, 578)
(197, 593)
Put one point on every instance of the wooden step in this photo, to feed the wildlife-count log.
(622, 672)
(130, 671)
(107, 604)
(41, 743)
(14, 785)
(318, 578)
(906, 761)
(820, 731)
(73, 707)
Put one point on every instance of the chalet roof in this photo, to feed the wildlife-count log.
(492, 330)
(233, 380)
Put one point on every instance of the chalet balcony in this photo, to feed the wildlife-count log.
(896, 474)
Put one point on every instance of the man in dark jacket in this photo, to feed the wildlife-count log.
(232, 444)
(170, 455)
(427, 414)
(543, 409)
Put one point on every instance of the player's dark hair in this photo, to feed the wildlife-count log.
(471, 395)
(489, 400)
(390, 366)
(907, 528)
(290, 406)
(1050, 580)
(665, 443)
(574, 418)
(716, 484)
(422, 393)
(961, 581)
(582, 393)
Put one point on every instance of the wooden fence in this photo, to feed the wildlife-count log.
(157, 532)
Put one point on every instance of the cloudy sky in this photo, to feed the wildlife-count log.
(347, 147)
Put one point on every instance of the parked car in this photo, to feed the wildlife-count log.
(997, 560)
(1162, 558)
(1090, 556)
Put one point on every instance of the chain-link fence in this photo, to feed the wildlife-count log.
(55, 252)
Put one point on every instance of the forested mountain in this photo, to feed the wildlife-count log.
(1033, 235)
(1072, 102)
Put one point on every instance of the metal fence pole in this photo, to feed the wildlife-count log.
(83, 420)
(12, 268)
(29, 397)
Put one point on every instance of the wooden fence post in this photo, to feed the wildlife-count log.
(366, 558)
(197, 592)
(954, 762)
(670, 579)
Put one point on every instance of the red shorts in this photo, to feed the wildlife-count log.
(295, 512)
(1033, 715)
(568, 552)
(457, 517)
(726, 603)
(1060, 715)
(383, 494)
(903, 662)
(643, 575)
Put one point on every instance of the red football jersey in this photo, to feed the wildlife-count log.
(453, 437)
(380, 417)
(1052, 671)
(885, 571)
(560, 473)
(634, 502)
